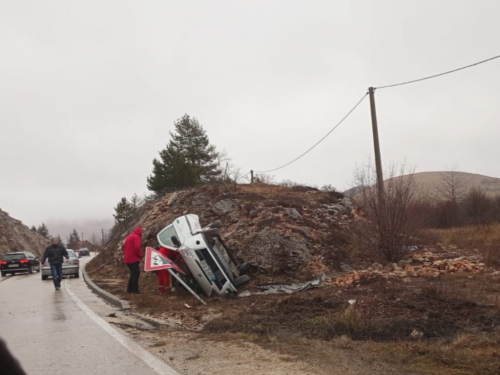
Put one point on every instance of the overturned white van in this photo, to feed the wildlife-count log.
(202, 249)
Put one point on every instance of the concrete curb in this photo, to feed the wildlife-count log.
(114, 300)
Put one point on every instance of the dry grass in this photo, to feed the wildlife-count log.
(484, 238)
(465, 354)
(462, 355)
(473, 234)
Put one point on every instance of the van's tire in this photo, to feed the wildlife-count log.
(242, 280)
(210, 233)
(44, 277)
(32, 270)
(4, 274)
(244, 268)
(231, 294)
(77, 275)
(216, 224)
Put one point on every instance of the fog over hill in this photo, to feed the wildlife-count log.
(86, 226)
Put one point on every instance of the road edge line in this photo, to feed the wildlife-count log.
(134, 348)
(114, 300)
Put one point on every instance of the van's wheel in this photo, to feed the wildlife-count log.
(77, 275)
(244, 268)
(231, 294)
(242, 280)
(4, 274)
(44, 277)
(32, 270)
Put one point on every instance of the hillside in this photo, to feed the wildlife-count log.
(429, 181)
(283, 232)
(15, 236)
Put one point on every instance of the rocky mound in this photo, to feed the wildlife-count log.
(295, 232)
(15, 236)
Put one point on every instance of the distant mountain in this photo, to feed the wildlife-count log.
(15, 236)
(429, 182)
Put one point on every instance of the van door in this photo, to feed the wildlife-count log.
(165, 237)
(186, 226)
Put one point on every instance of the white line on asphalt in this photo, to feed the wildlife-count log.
(153, 362)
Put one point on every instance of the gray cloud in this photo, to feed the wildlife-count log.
(89, 91)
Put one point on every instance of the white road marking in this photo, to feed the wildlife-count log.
(153, 362)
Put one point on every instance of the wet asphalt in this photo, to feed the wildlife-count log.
(49, 333)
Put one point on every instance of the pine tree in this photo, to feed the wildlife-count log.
(74, 240)
(33, 228)
(124, 210)
(42, 229)
(61, 242)
(192, 141)
(171, 172)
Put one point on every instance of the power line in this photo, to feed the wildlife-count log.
(317, 143)
(438, 75)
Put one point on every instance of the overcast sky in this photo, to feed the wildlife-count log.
(89, 91)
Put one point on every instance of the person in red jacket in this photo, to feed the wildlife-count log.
(132, 256)
(164, 275)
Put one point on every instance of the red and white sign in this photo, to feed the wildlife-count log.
(155, 261)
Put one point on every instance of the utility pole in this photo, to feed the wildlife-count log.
(376, 145)
(251, 176)
(102, 231)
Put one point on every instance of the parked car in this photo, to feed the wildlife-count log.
(83, 252)
(202, 250)
(23, 261)
(70, 268)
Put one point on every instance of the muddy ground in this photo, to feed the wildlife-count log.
(374, 320)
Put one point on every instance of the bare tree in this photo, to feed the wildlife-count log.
(230, 174)
(264, 179)
(393, 223)
(136, 201)
(479, 208)
(450, 192)
(94, 239)
(453, 185)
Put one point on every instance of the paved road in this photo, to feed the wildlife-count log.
(65, 331)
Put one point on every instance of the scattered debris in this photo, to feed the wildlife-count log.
(416, 334)
(290, 288)
(345, 267)
(424, 264)
(187, 305)
(245, 293)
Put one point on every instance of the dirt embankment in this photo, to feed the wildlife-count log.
(285, 233)
(15, 236)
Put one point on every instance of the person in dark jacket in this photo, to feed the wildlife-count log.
(55, 253)
(8, 363)
(132, 256)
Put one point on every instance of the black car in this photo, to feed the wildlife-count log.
(84, 252)
(23, 261)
